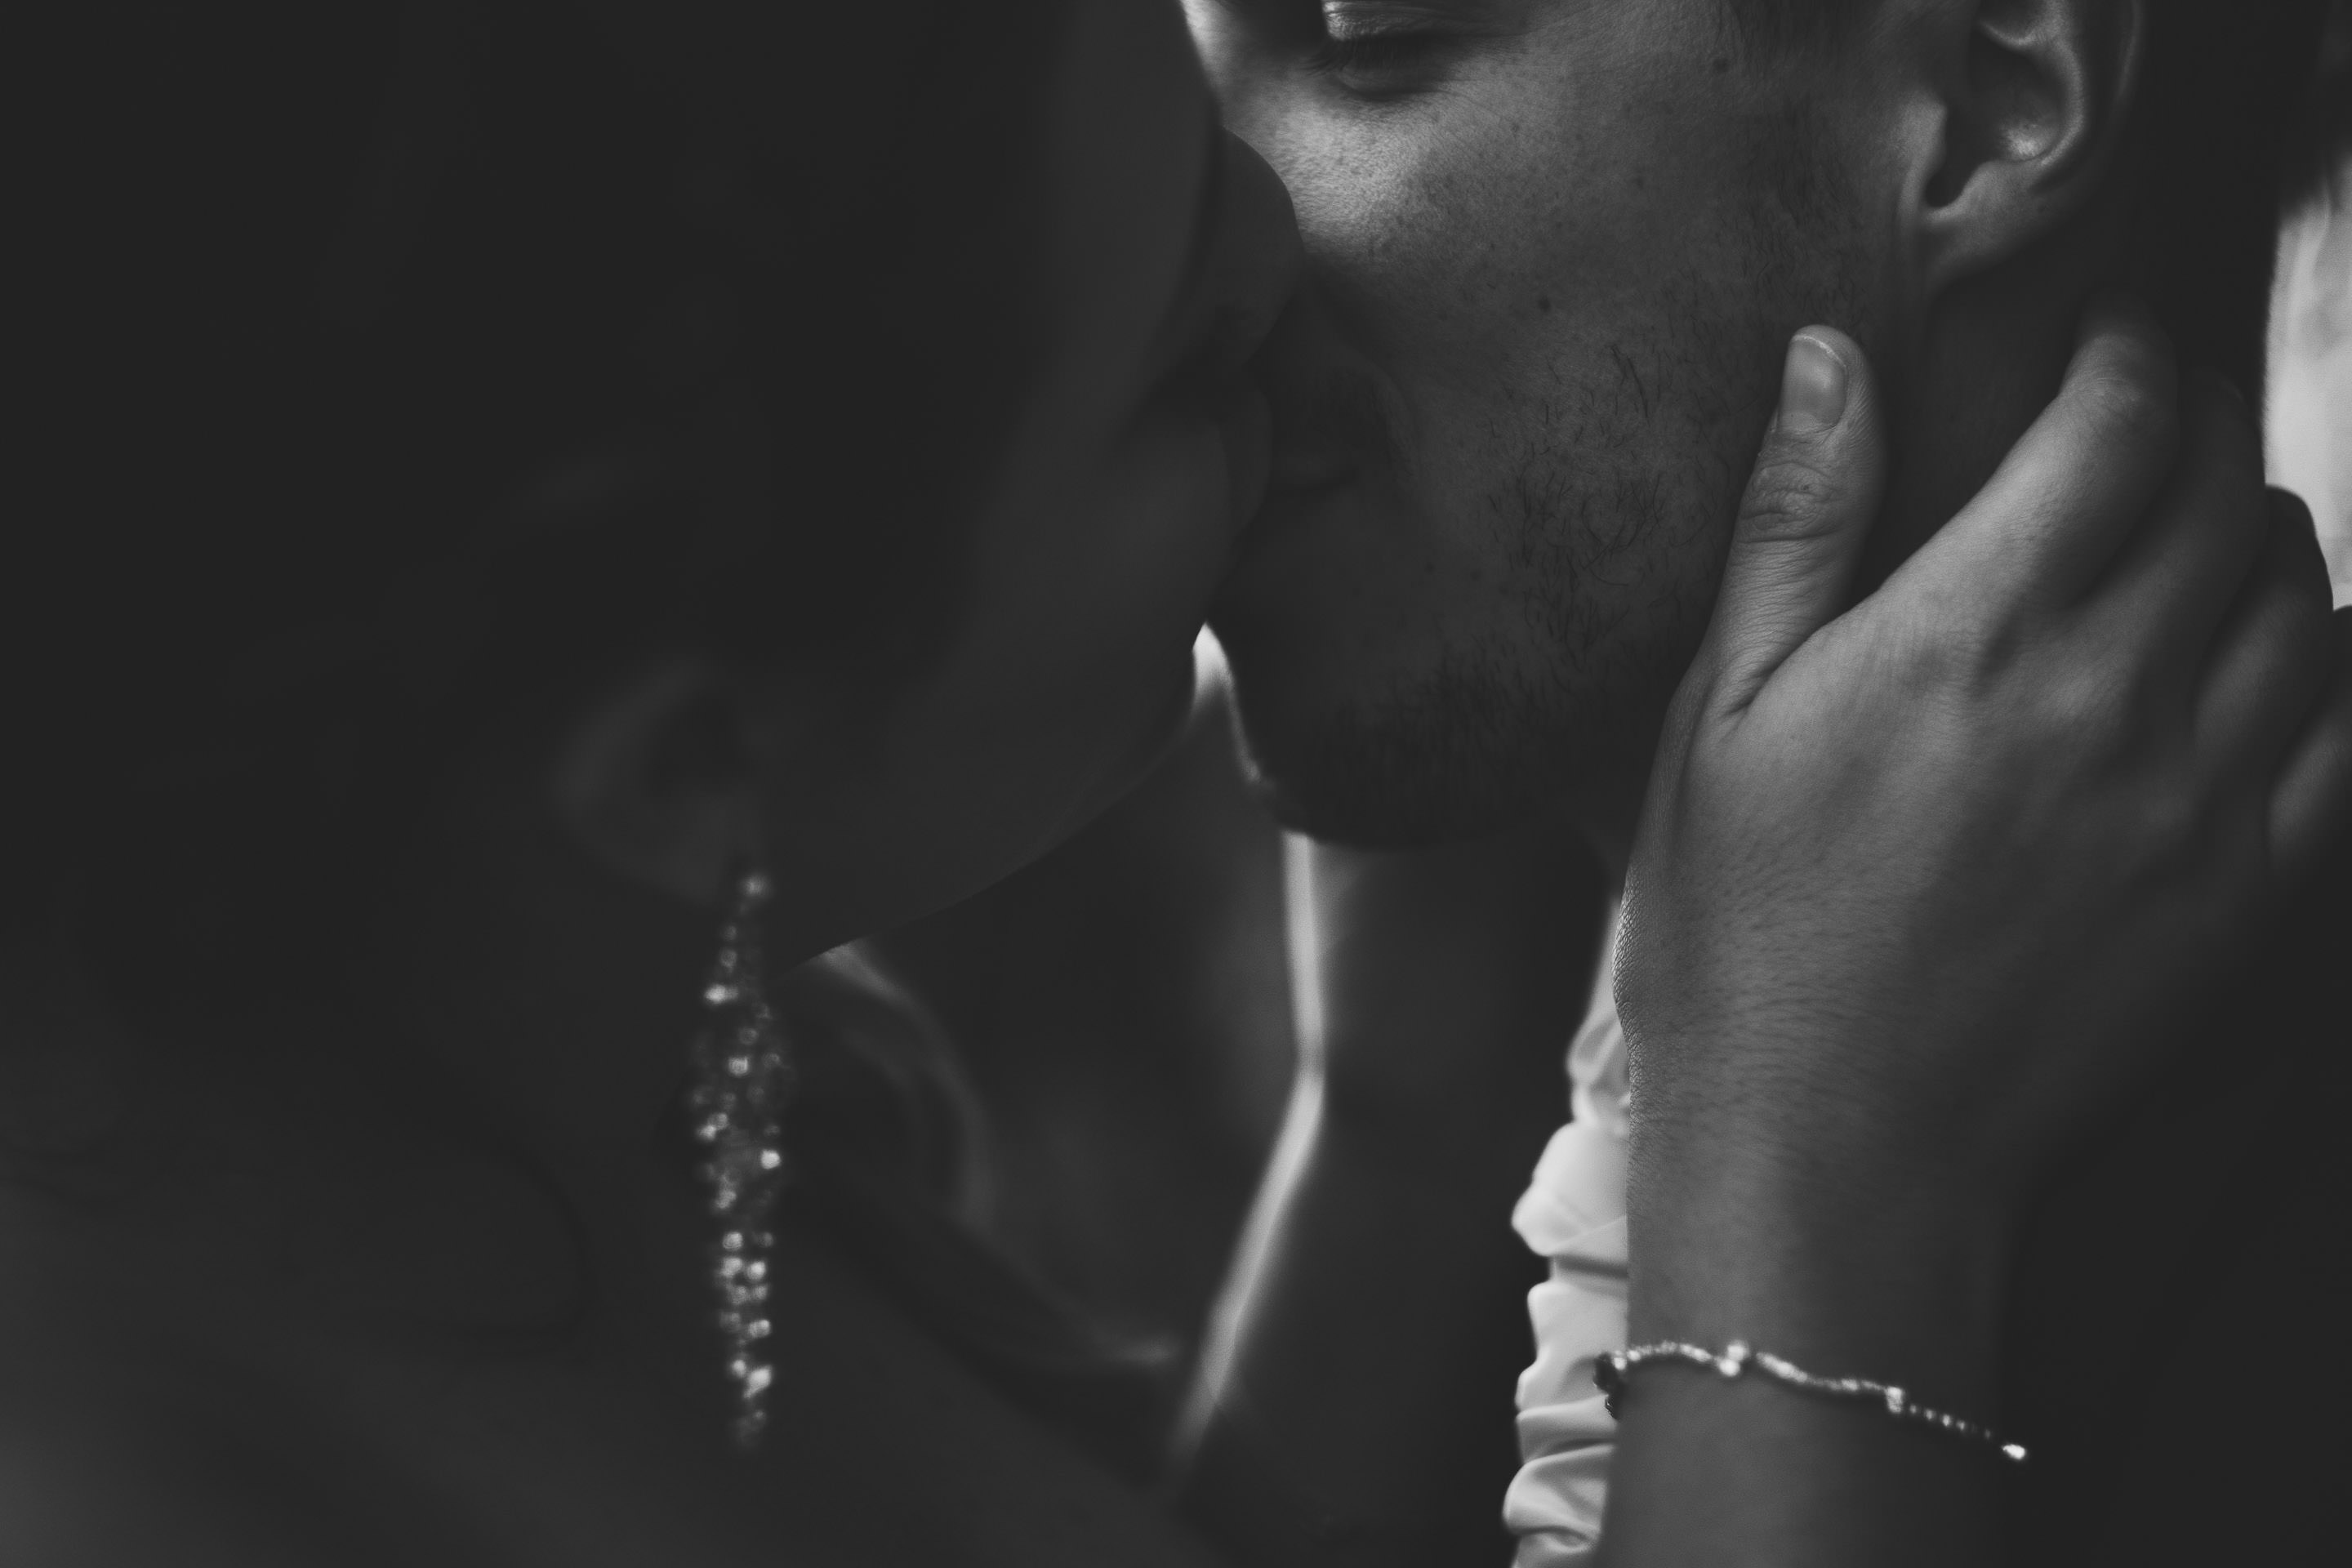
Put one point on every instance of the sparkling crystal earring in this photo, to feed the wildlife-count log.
(742, 1077)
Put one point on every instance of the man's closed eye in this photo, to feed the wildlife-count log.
(1390, 48)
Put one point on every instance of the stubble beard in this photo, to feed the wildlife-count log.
(1612, 491)
(1617, 476)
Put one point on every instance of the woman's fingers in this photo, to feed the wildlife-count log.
(1802, 520)
(2311, 804)
(2270, 662)
(2070, 493)
(2181, 573)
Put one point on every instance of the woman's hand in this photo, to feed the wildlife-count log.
(1916, 888)
(1916, 882)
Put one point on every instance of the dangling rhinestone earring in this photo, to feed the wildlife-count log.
(742, 1077)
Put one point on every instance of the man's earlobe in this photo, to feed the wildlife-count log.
(653, 783)
(2035, 96)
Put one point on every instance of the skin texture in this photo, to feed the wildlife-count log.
(1505, 465)
(1505, 468)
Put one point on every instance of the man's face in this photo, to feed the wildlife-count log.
(1556, 249)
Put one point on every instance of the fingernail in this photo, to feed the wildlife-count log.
(1812, 387)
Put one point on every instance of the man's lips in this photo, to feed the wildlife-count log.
(1329, 423)
(1290, 541)
(1301, 483)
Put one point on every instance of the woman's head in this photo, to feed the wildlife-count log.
(843, 402)
(1135, 455)
(1108, 446)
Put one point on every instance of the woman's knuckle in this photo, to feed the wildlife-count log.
(2128, 407)
(2086, 711)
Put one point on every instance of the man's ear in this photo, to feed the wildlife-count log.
(652, 781)
(2034, 97)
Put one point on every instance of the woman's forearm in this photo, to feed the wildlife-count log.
(1869, 1279)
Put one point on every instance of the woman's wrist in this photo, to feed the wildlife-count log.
(1855, 1267)
(1845, 1268)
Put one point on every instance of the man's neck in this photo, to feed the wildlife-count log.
(1958, 410)
(1967, 372)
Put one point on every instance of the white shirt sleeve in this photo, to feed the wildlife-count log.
(1573, 1213)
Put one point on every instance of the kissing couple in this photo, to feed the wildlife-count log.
(542, 495)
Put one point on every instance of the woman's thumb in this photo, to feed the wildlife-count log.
(1807, 510)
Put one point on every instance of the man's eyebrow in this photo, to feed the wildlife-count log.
(1208, 201)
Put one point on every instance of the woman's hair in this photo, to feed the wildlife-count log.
(392, 357)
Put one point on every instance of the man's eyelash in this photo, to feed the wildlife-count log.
(1373, 52)
(1373, 36)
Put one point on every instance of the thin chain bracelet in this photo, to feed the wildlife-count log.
(1737, 1358)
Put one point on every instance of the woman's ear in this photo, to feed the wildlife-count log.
(2033, 97)
(654, 781)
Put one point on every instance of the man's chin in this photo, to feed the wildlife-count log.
(1388, 776)
(1388, 697)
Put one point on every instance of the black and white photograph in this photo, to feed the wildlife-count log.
(1178, 784)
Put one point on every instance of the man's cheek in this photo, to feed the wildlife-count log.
(1480, 268)
(1405, 201)
(1427, 301)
